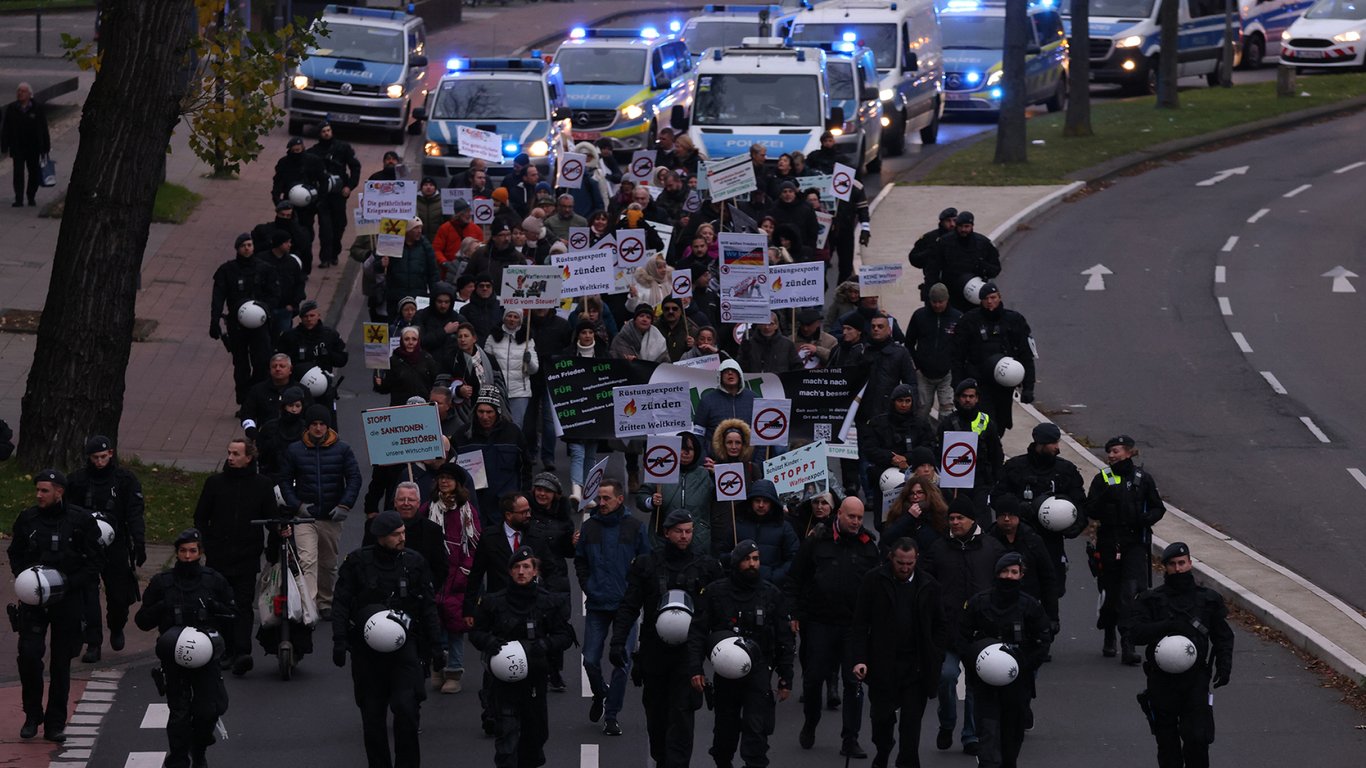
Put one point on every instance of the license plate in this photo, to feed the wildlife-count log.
(586, 135)
(343, 118)
(958, 96)
(1310, 54)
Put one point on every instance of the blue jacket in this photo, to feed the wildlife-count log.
(716, 405)
(607, 545)
(325, 475)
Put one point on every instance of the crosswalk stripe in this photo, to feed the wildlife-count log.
(156, 715)
(145, 760)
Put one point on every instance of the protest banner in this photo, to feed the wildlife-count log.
(485, 145)
(389, 200)
(804, 471)
(870, 276)
(842, 181)
(572, 168)
(744, 277)
(663, 462)
(646, 409)
(585, 272)
(377, 347)
(730, 482)
(796, 285)
(730, 177)
(531, 286)
(771, 421)
(402, 434)
(958, 461)
(642, 166)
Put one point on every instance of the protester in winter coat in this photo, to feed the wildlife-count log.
(765, 350)
(411, 371)
(453, 508)
(515, 355)
(693, 493)
(640, 340)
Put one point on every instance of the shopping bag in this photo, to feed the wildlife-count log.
(302, 608)
(49, 174)
(267, 587)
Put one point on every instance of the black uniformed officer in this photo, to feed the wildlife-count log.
(114, 495)
(923, 252)
(1004, 614)
(670, 702)
(745, 605)
(539, 619)
(57, 535)
(982, 336)
(339, 160)
(188, 595)
(236, 282)
(300, 167)
(1123, 499)
(386, 577)
(959, 255)
(312, 343)
(1039, 474)
(1181, 709)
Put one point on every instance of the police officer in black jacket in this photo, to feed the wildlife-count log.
(1123, 499)
(343, 171)
(312, 343)
(112, 494)
(744, 605)
(1179, 707)
(306, 168)
(526, 612)
(923, 252)
(821, 588)
(982, 337)
(958, 256)
(188, 595)
(1004, 614)
(380, 579)
(54, 534)
(1040, 474)
(245, 278)
(673, 574)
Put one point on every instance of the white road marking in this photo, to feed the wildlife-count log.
(585, 687)
(75, 754)
(144, 760)
(1274, 382)
(1095, 277)
(98, 685)
(82, 730)
(1259, 214)
(1228, 244)
(1340, 282)
(1351, 167)
(84, 720)
(1225, 308)
(1220, 274)
(1222, 175)
(107, 674)
(1358, 476)
(74, 743)
(1314, 428)
(1297, 190)
(156, 715)
(588, 756)
(1241, 341)
(886, 190)
(97, 696)
(100, 707)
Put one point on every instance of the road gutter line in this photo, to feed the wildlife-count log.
(1241, 341)
(1351, 167)
(1228, 245)
(1275, 384)
(1225, 308)
(1220, 274)
(886, 190)
(1358, 476)
(1297, 190)
(1314, 428)
(1259, 214)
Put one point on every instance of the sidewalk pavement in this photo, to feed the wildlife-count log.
(1312, 619)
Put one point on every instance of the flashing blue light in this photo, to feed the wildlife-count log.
(845, 46)
(649, 33)
(962, 5)
(578, 33)
(995, 93)
(452, 64)
(973, 78)
(675, 26)
(510, 148)
(849, 37)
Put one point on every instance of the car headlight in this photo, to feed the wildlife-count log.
(886, 94)
(538, 148)
(394, 91)
(1132, 41)
(632, 112)
(994, 78)
(300, 82)
(1348, 37)
(837, 132)
(431, 149)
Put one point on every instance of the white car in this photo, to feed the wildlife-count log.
(1328, 36)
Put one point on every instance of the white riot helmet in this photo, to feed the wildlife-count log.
(674, 617)
(301, 196)
(315, 381)
(334, 182)
(251, 315)
(386, 631)
(1057, 514)
(106, 532)
(731, 659)
(1175, 654)
(194, 647)
(1008, 372)
(972, 290)
(39, 586)
(891, 480)
(996, 666)
(510, 664)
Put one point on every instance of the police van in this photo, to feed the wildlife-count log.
(760, 92)
(904, 38)
(726, 26)
(851, 84)
(369, 70)
(521, 100)
(622, 83)
(1126, 41)
(974, 36)
(1264, 24)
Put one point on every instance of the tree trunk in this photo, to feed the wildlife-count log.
(76, 384)
(1078, 120)
(1168, 64)
(1011, 139)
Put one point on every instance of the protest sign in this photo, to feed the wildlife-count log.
(572, 168)
(663, 460)
(642, 166)
(651, 408)
(377, 347)
(579, 238)
(402, 434)
(591, 482)
(485, 145)
(391, 236)
(744, 277)
(730, 482)
(586, 272)
(771, 421)
(531, 286)
(958, 461)
(473, 463)
(823, 223)
(873, 275)
(682, 285)
(389, 200)
(804, 471)
(731, 177)
(796, 285)
(630, 248)
(842, 181)
(481, 212)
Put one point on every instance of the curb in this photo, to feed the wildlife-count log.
(1012, 225)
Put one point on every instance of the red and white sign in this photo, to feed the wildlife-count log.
(642, 166)
(572, 168)
(771, 422)
(579, 238)
(663, 459)
(842, 181)
(630, 248)
(481, 212)
(958, 463)
(730, 482)
(682, 286)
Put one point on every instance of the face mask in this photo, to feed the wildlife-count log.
(749, 577)
(1181, 581)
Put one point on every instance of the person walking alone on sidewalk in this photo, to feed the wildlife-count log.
(24, 137)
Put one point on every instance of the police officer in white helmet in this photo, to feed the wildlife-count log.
(187, 598)
(665, 584)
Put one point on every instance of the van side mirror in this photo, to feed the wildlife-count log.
(912, 63)
(562, 113)
(418, 61)
(662, 81)
(836, 118)
(868, 94)
(678, 118)
(1033, 49)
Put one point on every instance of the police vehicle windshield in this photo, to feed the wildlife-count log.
(489, 99)
(720, 34)
(1125, 9)
(839, 80)
(352, 41)
(1352, 10)
(601, 66)
(973, 33)
(880, 37)
(754, 99)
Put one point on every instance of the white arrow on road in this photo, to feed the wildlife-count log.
(1222, 175)
(1095, 277)
(1340, 282)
